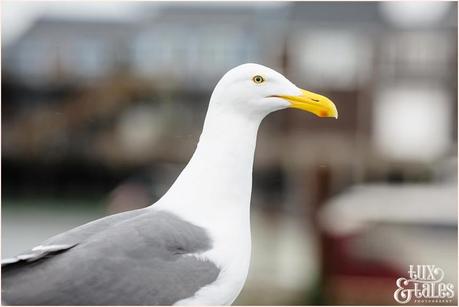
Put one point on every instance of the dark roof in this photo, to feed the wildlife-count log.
(99, 29)
(354, 14)
(331, 11)
(216, 12)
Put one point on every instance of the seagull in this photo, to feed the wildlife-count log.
(191, 247)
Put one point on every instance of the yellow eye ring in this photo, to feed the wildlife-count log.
(258, 79)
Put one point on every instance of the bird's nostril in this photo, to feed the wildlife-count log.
(316, 100)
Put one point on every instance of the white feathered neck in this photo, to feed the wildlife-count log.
(217, 182)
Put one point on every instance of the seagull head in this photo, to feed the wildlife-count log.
(256, 90)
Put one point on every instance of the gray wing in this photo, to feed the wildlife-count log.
(70, 238)
(136, 258)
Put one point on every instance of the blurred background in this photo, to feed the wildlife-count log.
(103, 104)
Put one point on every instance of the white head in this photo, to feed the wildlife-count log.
(256, 90)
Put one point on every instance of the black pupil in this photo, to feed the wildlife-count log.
(258, 79)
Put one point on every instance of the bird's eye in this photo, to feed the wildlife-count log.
(258, 79)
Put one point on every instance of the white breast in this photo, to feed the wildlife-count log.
(229, 232)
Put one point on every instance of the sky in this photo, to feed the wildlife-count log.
(17, 16)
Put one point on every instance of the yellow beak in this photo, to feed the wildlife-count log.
(314, 103)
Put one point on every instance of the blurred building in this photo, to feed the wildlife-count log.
(58, 50)
(191, 44)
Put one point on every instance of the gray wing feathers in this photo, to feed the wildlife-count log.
(37, 253)
(69, 239)
(139, 260)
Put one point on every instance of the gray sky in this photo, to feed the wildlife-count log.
(17, 16)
